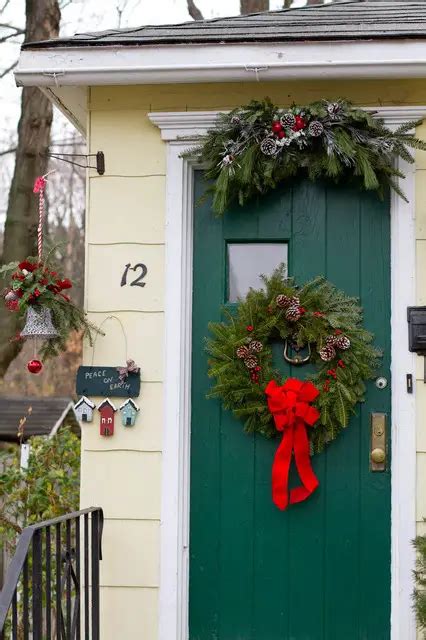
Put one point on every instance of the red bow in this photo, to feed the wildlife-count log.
(39, 184)
(289, 404)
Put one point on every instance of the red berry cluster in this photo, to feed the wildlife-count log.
(279, 129)
(255, 374)
(34, 283)
(332, 373)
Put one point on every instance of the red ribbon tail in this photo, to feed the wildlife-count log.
(303, 464)
(281, 469)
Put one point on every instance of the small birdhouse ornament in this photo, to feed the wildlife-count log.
(129, 411)
(84, 409)
(107, 410)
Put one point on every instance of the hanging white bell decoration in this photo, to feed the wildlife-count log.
(39, 324)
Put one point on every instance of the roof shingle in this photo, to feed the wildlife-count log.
(348, 20)
(45, 414)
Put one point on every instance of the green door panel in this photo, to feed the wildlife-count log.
(321, 569)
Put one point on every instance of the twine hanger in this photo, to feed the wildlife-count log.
(39, 187)
(122, 330)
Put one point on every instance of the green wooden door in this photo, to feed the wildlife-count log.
(321, 570)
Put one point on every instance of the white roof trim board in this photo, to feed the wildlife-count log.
(106, 401)
(132, 402)
(84, 400)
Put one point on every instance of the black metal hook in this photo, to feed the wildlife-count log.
(100, 160)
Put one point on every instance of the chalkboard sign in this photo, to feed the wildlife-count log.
(105, 382)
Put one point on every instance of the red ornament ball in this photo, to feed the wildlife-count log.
(250, 327)
(34, 366)
(276, 126)
(281, 134)
(300, 123)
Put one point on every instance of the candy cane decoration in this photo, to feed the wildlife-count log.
(39, 187)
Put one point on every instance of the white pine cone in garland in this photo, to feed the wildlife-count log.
(330, 341)
(242, 352)
(288, 120)
(251, 362)
(293, 313)
(327, 353)
(342, 342)
(333, 110)
(268, 147)
(316, 128)
(255, 346)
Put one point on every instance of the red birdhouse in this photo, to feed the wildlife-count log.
(107, 410)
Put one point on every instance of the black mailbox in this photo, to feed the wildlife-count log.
(417, 329)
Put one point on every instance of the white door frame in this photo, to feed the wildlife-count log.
(179, 130)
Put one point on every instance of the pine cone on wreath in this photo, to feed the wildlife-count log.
(255, 346)
(342, 342)
(288, 120)
(251, 362)
(330, 341)
(268, 147)
(283, 301)
(327, 353)
(242, 352)
(316, 128)
(293, 313)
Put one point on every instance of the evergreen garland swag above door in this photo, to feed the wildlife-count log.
(255, 147)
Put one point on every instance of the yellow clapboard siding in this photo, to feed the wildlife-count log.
(130, 563)
(129, 613)
(128, 139)
(138, 205)
(138, 336)
(125, 483)
(106, 265)
(210, 96)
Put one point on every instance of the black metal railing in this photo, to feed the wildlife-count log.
(51, 590)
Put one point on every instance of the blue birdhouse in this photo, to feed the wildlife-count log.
(129, 411)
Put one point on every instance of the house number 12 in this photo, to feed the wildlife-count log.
(138, 281)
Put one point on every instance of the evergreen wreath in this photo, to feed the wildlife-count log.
(255, 147)
(317, 315)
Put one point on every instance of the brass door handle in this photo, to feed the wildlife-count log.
(378, 455)
(378, 442)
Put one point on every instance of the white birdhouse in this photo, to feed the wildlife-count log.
(84, 409)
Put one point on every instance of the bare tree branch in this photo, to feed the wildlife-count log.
(194, 11)
(5, 4)
(8, 70)
(6, 151)
(15, 31)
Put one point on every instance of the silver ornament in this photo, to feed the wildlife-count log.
(39, 324)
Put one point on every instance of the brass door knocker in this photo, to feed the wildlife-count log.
(297, 359)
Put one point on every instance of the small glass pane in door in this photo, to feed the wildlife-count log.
(247, 261)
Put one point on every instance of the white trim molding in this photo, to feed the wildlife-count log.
(222, 62)
(180, 130)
